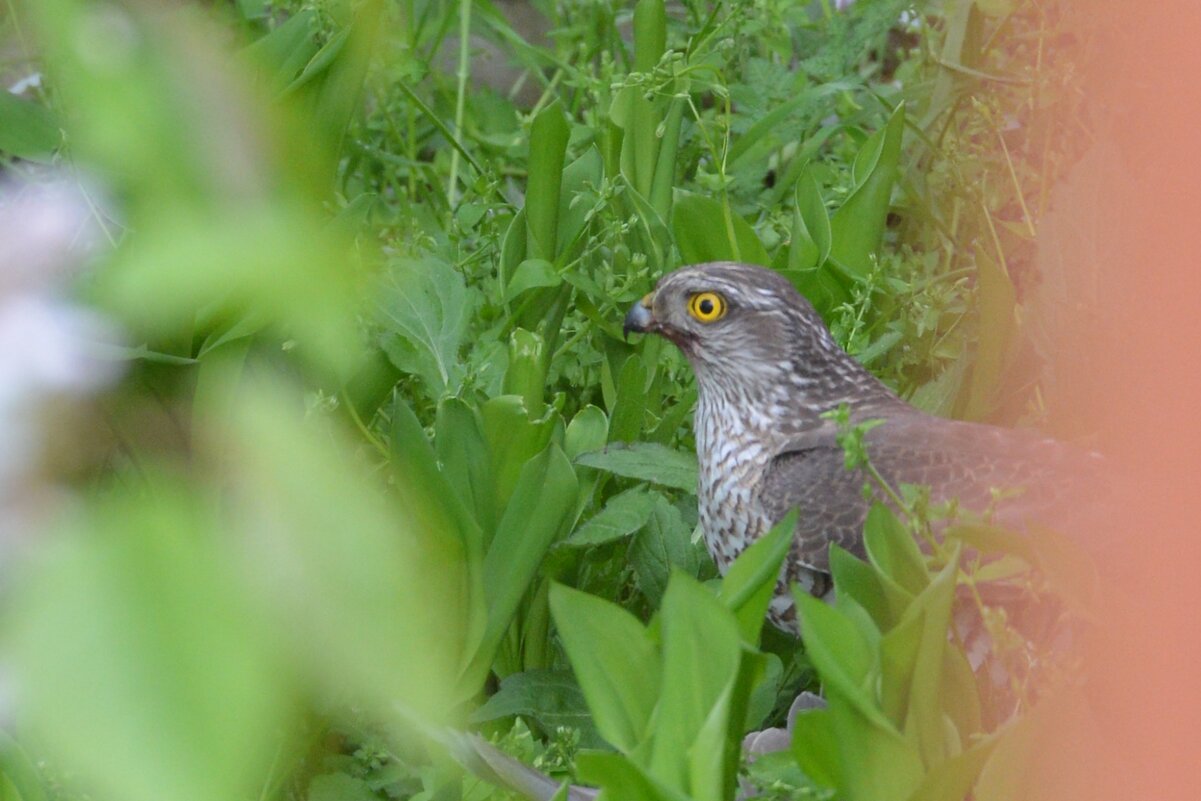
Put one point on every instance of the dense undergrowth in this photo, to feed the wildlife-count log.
(380, 460)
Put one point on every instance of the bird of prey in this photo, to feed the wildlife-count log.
(767, 370)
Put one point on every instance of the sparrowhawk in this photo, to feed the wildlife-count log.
(767, 369)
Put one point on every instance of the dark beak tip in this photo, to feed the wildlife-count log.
(638, 320)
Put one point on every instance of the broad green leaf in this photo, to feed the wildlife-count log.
(339, 787)
(375, 608)
(278, 260)
(707, 763)
(19, 778)
(898, 663)
(891, 548)
(622, 780)
(625, 418)
(638, 115)
(810, 226)
(424, 309)
(587, 431)
(858, 225)
(952, 780)
(331, 84)
(140, 660)
(708, 230)
(526, 374)
(580, 177)
(960, 695)
(664, 544)
(645, 461)
(815, 745)
(542, 505)
(614, 660)
(513, 438)
(465, 460)
(762, 698)
(750, 582)
(842, 655)
(876, 593)
(878, 763)
(701, 656)
(924, 718)
(531, 274)
(28, 130)
(666, 163)
(622, 515)
(428, 495)
(285, 50)
(429, 501)
(552, 698)
(548, 147)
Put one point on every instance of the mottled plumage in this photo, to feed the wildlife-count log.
(767, 369)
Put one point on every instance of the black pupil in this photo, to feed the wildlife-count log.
(706, 305)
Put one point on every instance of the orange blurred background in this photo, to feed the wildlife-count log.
(1136, 235)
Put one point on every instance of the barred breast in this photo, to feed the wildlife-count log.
(731, 462)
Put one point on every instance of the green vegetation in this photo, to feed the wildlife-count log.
(380, 462)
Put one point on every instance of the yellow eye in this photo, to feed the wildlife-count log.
(707, 306)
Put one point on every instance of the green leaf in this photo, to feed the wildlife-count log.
(465, 460)
(622, 515)
(542, 505)
(924, 716)
(613, 659)
(138, 657)
(19, 778)
(621, 779)
(588, 431)
(424, 309)
(645, 461)
(858, 225)
(750, 582)
(810, 226)
(28, 130)
(816, 748)
(371, 606)
(580, 177)
(526, 373)
(878, 763)
(891, 548)
(531, 274)
(842, 655)
(701, 655)
(548, 148)
(513, 438)
(286, 49)
(952, 779)
(707, 230)
(339, 787)
(665, 543)
(876, 593)
(625, 419)
(552, 698)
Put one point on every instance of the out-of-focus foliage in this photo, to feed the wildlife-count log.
(380, 461)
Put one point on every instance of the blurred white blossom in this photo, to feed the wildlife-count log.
(49, 346)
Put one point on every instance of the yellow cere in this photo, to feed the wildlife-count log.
(707, 306)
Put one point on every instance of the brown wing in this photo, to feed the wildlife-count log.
(958, 460)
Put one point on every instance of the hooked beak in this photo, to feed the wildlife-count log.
(640, 318)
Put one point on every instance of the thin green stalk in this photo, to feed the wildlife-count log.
(452, 183)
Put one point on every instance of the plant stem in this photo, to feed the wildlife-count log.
(452, 183)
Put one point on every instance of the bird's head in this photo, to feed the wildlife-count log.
(747, 327)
